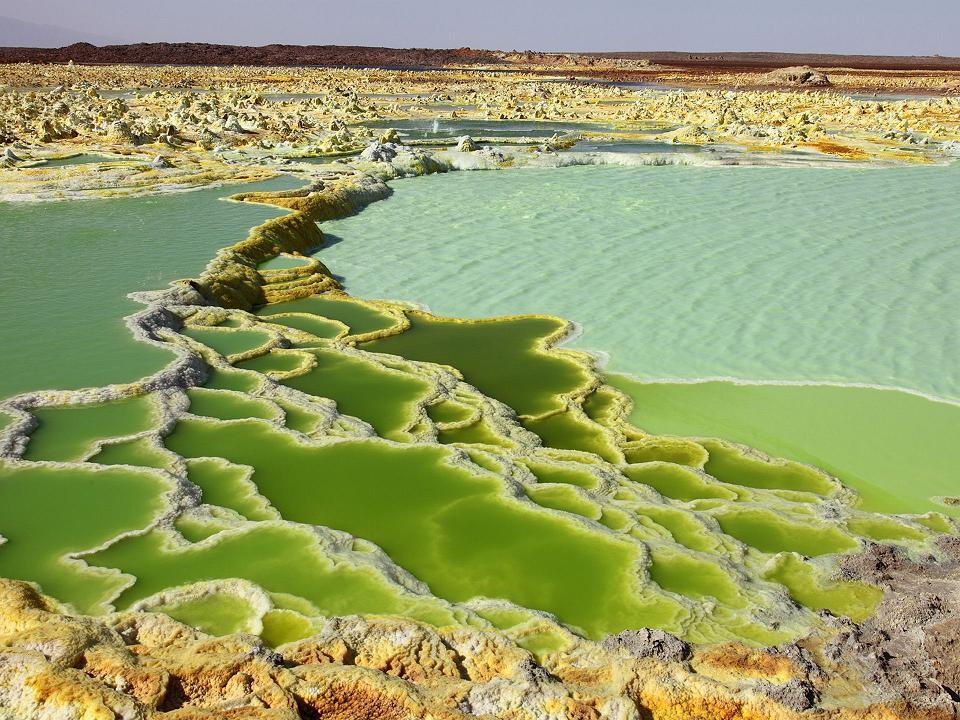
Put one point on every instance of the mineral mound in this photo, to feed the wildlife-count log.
(801, 76)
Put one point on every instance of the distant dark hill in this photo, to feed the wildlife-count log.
(360, 56)
(208, 54)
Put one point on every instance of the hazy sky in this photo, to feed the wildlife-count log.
(924, 27)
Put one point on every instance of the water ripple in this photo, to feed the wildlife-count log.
(759, 273)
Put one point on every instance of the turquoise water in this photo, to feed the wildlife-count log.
(68, 266)
(815, 274)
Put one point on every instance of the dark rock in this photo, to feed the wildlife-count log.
(530, 671)
(797, 695)
(647, 643)
(379, 152)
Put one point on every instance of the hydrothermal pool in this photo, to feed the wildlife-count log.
(346, 456)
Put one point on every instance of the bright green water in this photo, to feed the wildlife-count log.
(500, 359)
(728, 466)
(321, 327)
(68, 266)
(228, 406)
(565, 431)
(68, 432)
(45, 513)
(692, 576)
(565, 498)
(446, 411)
(232, 380)
(855, 600)
(896, 449)
(476, 433)
(227, 485)
(299, 419)
(676, 482)
(358, 317)
(227, 342)
(386, 399)
(768, 533)
(218, 614)
(553, 474)
(431, 517)
(140, 452)
(279, 559)
(275, 362)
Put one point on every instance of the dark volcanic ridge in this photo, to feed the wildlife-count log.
(350, 55)
(265, 55)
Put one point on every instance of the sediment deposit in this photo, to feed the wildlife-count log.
(166, 128)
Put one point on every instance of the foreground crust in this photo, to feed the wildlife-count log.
(900, 664)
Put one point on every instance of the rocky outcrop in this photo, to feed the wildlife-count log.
(465, 143)
(647, 643)
(379, 152)
(800, 76)
(912, 642)
(231, 279)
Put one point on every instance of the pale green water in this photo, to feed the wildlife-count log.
(68, 266)
(766, 273)
(683, 272)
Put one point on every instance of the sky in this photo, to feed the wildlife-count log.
(888, 27)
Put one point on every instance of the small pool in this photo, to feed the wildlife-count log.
(437, 128)
(84, 159)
